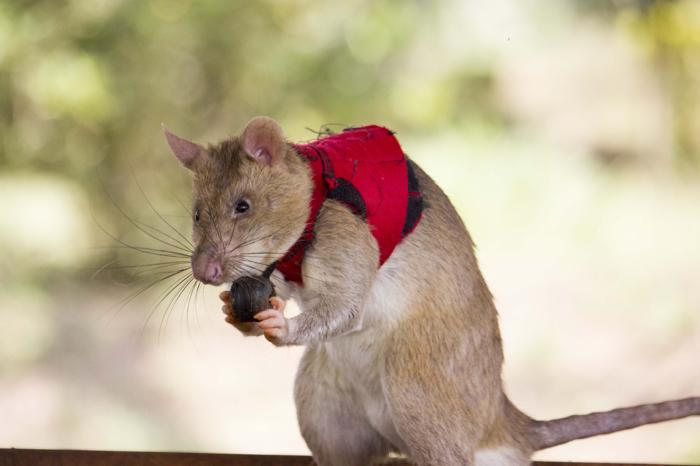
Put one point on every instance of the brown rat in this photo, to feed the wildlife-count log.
(404, 357)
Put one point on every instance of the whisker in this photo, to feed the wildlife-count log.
(137, 223)
(254, 272)
(188, 243)
(135, 266)
(143, 249)
(233, 233)
(122, 303)
(215, 222)
(181, 286)
(261, 254)
(101, 269)
(191, 287)
(155, 307)
(263, 266)
(179, 244)
(196, 309)
(163, 270)
(146, 250)
(254, 240)
(187, 209)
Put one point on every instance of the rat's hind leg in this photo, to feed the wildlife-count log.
(443, 394)
(332, 423)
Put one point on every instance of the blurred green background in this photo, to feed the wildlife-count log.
(567, 134)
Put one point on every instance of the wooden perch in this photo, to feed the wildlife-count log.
(21, 457)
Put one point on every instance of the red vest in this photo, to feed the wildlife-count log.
(366, 169)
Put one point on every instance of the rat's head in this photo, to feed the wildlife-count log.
(250, 200)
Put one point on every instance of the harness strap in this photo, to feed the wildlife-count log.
(366, 169)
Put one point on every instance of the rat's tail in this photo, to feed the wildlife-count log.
(547, 434)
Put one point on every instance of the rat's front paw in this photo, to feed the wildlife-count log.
(273, 323)
(249, 329)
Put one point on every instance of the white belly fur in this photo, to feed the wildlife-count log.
(358, 355)
(503, 456)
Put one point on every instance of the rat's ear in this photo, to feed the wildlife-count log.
(187, 152)
(264, 141)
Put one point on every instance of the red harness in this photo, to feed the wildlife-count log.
(366, 169)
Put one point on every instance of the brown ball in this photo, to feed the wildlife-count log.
(250, 295)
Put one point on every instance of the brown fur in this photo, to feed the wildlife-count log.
(406, 358)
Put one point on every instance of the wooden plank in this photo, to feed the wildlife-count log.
(23, 457)
(18, 457)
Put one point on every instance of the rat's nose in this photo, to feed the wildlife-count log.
(213, 272)
(208, 271)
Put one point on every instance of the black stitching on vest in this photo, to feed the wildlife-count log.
(415, 200)
(345, 192)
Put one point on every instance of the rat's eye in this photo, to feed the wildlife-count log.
(242, 206)
(196, 215)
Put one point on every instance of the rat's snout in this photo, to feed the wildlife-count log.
(207, 269)
(212, 273)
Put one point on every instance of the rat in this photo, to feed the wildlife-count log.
(403, 350)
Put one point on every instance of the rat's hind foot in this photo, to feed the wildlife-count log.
(333, 425)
